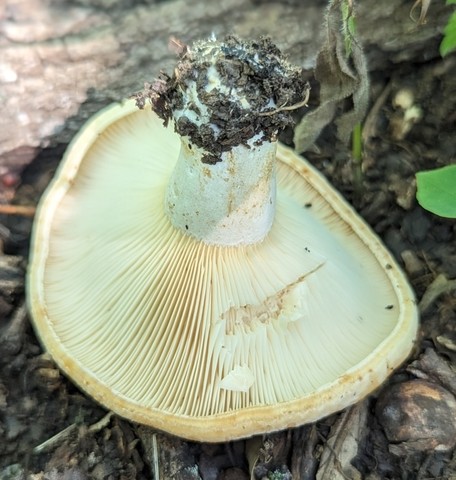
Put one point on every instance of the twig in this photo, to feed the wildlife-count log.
(155, 457)
(52, 442)
(369, 129)
(22, 210)
(288, 108)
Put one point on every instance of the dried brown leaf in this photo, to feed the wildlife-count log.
(431, 366)
(342, 445)
(424, 4)
(341, 75)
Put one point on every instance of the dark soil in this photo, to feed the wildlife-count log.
(256, 70)
(50, 430)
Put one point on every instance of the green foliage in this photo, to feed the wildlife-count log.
(348, 25)
(437, 191)
(448, 44)
(278, 475)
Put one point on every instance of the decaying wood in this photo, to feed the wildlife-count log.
(54, 59)
(62, 61)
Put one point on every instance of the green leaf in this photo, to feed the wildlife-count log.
(437, 191)
(449, 36)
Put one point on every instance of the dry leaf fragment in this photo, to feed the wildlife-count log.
(425, 4)
(341, 75)
(342, 446)
(431, 366)
(441, 284)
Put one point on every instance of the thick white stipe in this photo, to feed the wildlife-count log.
(229, 203)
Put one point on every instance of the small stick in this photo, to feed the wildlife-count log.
(52, 442)
(22, 210)
(155, 457)
(288, 108)
(369, 129)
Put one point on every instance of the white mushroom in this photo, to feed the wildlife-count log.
(211, 299)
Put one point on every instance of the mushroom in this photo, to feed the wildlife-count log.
(200, 277)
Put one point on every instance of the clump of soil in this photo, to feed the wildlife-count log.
(223, 93)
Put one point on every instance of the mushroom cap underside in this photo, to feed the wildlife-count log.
(209, 343)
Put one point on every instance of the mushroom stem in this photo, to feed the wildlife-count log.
(235, 199)
(228, 100)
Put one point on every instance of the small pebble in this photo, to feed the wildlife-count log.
(418, 416)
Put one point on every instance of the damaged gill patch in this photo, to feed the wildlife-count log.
(285, 306)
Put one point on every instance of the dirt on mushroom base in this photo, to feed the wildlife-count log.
(261, 93)
(37, 403)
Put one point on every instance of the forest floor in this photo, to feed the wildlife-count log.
(50, 430)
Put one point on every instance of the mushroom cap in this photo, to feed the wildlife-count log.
(206, 342)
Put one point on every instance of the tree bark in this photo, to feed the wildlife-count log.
(59, 63)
